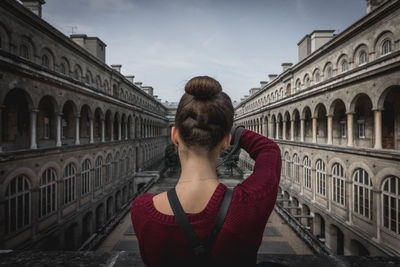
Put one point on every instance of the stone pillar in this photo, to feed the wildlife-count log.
(271, 127)
(33, 123)
(126, 131)
(284, 130)
(58, 130)
(91, 138)
(292, 130)
(350, 136)
(314, 130)
(77, 130)
(330, 129)
(378, 128)
(103, 130)
(302, 130)
(119, 130)
(277, 130)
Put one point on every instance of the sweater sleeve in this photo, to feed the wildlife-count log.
(267, 167)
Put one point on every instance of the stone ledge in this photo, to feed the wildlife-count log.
(123, 258)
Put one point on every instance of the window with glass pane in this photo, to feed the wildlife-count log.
(296, 161)
(361, 128)
(24, 52)
(62, 68)
(338, 184)
(287, 159)
(307, 172)
(47, 193)
(17, 204)
(391, 204)
(108, 177)
(45, 61)
(386, 47)
(329, 72)
(362, 192)
(317, 77)
(321, 178)
(85, 177)
(69, 183)
(343, 129)
(363, 57)
(345, 66)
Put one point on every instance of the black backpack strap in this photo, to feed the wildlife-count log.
(184, 224)
(198, 247)
(223, 210)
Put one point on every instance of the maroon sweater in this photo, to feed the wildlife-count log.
(162, 242)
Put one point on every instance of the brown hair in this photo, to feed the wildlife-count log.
(205, 113)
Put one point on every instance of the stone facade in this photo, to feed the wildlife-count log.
(74, 133)
(336, 117)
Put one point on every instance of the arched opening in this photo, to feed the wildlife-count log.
(339, 123)
(357, 249)
(319, 227)
(336, 243)
(273, 128)
(110, 208)
(130, 127)
(307, 124)
(137, 127)
(99, 216)
(116, 127)
(108, 125)
(123, 127)
(16, 120)
(322, 125)
(47, 122)
(70, 237)
(280, 128)
(97, 128)
(87, 229)
(84, 125)
(287, 125)
(68, 122)
(363, 124)
(117, 201)
(307, 222)
(391, 119)
(297, 126)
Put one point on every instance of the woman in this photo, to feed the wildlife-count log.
(203, 122)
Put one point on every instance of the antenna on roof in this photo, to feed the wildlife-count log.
(72, 29)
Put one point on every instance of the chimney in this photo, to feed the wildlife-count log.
(130, 78)
(138, 84)
(93, 44)
(373, 4)
(116, 67)
(253, 90)
(272, 77)
(263, 83)
(34, 5)
(313, 41)
(286, 66)
(148, 90)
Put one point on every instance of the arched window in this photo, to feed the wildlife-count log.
(362, 193)
(62, 68)
(128, 167)
(108, 168)
(307, 82)
(85, 177)
(48, 193)
(386, 47)
(116, 166)
(296, 162)
(307, 172)
(17, 204)
(45, 61)
(287, 163)
(69, 183)
(97, 172)
(391, 204)
(24, 51)
(345, 65)
(338, 184)
(321, 178)
(76, 75)
(317, 77)
(363, 58)
(329, 72)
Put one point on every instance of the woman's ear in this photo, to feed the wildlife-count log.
(226, 141)
(174, 135)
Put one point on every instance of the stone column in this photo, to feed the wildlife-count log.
(103, 130)
(277, 130)
(330, 129)
(119, 130)
(126, 131)
(91, 138)
(33, 123)
(314, 130)
(292, 130)
(284, 130)
(77, 130)
(271, 127)
(58, 130)
(378, 128)
(302, 130)
(350, 136)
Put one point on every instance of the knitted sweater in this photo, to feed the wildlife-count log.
(162, 242)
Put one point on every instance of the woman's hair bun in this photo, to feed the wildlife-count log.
(203, 87)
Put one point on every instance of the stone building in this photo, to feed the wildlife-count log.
(336, 117)
(74, 133)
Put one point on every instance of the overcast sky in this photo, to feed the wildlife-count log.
(164, 43)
